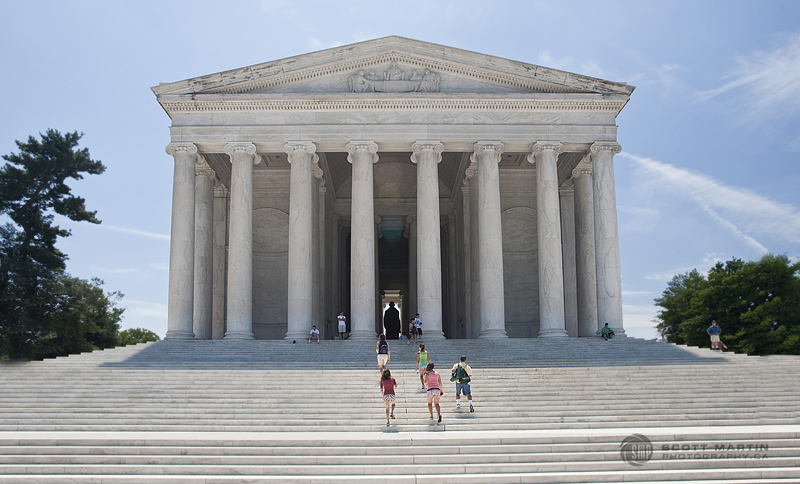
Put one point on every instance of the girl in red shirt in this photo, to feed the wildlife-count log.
(387, 388)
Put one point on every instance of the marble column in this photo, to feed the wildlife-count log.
(181, 245)
(219, 258)
(455, 328)
(301, 155)
(584, 249)
(362, 155)
(240, 260)
(468, 249)
(566, 195)
(203, 250)
(474, 264)
(606, 237)
(548, 219)
(427, 155)
(411, 224)
(490, 240)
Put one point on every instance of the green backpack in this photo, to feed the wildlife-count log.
(461, 376)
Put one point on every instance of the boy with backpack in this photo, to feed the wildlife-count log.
(462, 375)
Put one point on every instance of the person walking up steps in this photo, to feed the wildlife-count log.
(382, 348)
(462, 375)
(388, 383)
(434, 391)
(423, 358)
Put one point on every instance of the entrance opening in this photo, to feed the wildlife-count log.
(393, 274)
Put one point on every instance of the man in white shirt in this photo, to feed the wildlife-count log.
(313, 335)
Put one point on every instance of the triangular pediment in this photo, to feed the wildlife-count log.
(392, 65)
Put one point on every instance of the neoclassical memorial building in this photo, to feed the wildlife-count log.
(474, 190)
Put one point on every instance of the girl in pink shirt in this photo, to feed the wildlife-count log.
(434, 391)
(387, 388)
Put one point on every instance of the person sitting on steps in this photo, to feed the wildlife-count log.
(314, 334)
(606, 332)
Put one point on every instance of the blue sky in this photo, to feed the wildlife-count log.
(710, 138)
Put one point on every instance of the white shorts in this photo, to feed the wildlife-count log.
(382, 360)
(714, 338)
(342, 328)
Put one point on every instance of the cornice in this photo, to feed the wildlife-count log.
(368, 102)
(270, 80)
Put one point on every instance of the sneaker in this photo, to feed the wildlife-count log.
(458, 405)
(440, 419)
(471, 408)
(391, 416)
(387, 424)
(431, 418)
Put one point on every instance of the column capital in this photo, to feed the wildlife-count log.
(611, 146)
(220, 190)
(355, 145)
(307, 146)
(242, 146)
(202, 168)
(420, 146)
(482, 146)
(540, 147)
(583, 168)
(173, 148)
(245, 146)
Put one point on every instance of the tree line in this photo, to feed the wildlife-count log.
(756, 303)
(45, 312)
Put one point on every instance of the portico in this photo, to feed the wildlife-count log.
(480, 190)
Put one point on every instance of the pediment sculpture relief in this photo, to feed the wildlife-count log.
(394, 79)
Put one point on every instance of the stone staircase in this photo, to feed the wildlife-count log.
(273, 411)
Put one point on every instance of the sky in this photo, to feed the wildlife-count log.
(711, 136)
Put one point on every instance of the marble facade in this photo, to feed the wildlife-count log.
(326, 181)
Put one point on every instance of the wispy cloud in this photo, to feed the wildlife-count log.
(755, 215)
(137, 309)
(765, 81)
(159, 266)
(131, 231)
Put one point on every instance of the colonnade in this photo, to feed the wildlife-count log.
(592, 294)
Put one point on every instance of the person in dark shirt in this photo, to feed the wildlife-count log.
(714, 331)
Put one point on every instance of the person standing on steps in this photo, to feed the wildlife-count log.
(382, 348)
(342, 325)
(423, 358)
(388, 383)
(714, 331)
(418, 327)
(434, 391)
(412, 332)
(462, 375)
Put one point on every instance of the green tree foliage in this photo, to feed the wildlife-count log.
(43, 311)
(135, 335)
(755, 303)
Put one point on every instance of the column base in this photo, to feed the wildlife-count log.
(296, 336)
(432, 336)
(239, 336)
(493, 334)
(553, 333)
(363, 335)
(178, 335)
